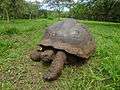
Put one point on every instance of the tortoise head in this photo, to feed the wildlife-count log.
(47, 55)
(41, 53)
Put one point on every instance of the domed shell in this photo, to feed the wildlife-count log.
(70, 36)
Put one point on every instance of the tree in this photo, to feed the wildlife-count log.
(105, 10)
(31, 10)
(59, 5)
(11, 8)
(79, 11)
(5, 4)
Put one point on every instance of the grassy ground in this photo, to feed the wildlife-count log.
(17, 71)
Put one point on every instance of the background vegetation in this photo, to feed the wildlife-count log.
(102, 10)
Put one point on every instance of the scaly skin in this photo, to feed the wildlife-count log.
(58, 61)
(56, 67)
(35, 56)
(45, 56)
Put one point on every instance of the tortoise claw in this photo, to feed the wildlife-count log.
(49, 77)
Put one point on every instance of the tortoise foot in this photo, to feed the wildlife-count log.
(50, 77)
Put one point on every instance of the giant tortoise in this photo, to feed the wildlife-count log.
(63, 42)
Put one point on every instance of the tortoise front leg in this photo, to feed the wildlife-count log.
(56, 67)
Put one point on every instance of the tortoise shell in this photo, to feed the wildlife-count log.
(69, 35)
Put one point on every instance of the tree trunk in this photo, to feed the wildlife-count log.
(30, 16)
(58, 10)
(7, 16)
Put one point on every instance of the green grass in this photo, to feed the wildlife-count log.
(17, 71)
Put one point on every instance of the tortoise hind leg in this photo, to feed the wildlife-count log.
(56, 67)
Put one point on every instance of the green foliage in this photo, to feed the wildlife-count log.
(11, 8)
(79, 11)
(31, 11)
(14, 9)
(106, 10)
(102, 10)
(58, 5)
